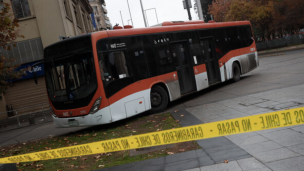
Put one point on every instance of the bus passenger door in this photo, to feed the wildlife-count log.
(212, 66)
(184, 71)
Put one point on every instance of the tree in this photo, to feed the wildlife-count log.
(219, 9)
(8, 34)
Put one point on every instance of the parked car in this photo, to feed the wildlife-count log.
(301, 31)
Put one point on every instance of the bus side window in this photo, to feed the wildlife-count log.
(195, 49)
(166, 63)
(113, 66)
(138, 59)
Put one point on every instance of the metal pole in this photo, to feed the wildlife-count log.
(156, 16)
(188, 9)
(146, 18)
(199, 10)
(130, 13)
(122, 20)
(142, 8)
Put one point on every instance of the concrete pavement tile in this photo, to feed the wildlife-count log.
(231, 166)
(231, 154)
(266, 104)
(273, 155)
(291, 164)
(181, 156)
(260, 147)
(298, 128)
(270, 130)
(227, 146)
(262, 169)
(213, 142)
(290, 141)
(248, 140)
(182, 165)
(205, 161)
(280, 133)
(195, 169)
(242, 136)
(250, 164)
(299, 148)
(201, 153)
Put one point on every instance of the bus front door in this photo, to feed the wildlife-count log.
(212, 66)
(185, 75)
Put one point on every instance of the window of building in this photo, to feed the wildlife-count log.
(21, 8)
(76, 15)
(85, 23)
(67, 9)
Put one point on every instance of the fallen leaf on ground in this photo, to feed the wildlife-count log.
(156, 126)
(182, 115)
(226, 161)
(176, 111)
(71, 166)
(101, 166)
(176, 121)
(94, 135)
(181, 150)
(170, 153)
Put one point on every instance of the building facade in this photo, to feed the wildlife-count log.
(102, 21)
(42, 22)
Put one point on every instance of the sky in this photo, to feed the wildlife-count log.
(167, 10)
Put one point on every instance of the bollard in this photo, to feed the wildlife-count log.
(18, 119)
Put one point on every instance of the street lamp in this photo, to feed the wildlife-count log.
(155, 14)
(143, 13)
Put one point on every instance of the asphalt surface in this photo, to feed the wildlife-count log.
(275, 72)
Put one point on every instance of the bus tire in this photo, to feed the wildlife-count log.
(159, 99)
(236, 71)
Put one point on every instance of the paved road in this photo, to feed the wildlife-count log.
(273, 73)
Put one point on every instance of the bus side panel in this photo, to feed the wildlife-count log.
(131, 100)
(201, 77)
(131, 105)
(172, 83)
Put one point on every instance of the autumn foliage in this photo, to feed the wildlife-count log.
(8, 34)
(268, 17)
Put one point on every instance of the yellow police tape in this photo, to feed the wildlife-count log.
(203, 131)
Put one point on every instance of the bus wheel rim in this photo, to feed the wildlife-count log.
(156, 99)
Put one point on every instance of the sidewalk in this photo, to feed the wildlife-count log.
(284, 49)
(278, 149)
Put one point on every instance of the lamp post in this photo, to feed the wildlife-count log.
(187, 6)
(130, 14)
(143, 13)
(155, 14)
(121, 19)
(129, 20)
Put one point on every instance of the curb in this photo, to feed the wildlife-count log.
(279, 54)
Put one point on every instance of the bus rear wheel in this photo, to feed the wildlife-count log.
(236, 72)
(159, 99)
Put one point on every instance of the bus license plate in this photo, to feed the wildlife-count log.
(73, 123)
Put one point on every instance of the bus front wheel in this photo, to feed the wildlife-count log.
(236, 72)
(159, 99)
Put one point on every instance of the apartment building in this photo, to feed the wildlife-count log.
(102, 21)
(42, 22)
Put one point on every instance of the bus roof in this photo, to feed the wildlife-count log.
(151, 30)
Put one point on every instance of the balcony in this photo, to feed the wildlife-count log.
(105, 11)
(108, 22)
(107, 18)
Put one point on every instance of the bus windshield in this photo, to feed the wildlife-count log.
(71, 78)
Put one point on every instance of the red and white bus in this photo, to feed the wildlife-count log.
(107, 76)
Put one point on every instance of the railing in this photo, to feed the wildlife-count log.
(27, 116)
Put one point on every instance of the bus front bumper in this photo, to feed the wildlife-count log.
(103, 116)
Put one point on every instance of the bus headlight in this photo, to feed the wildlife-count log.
(96, 106)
